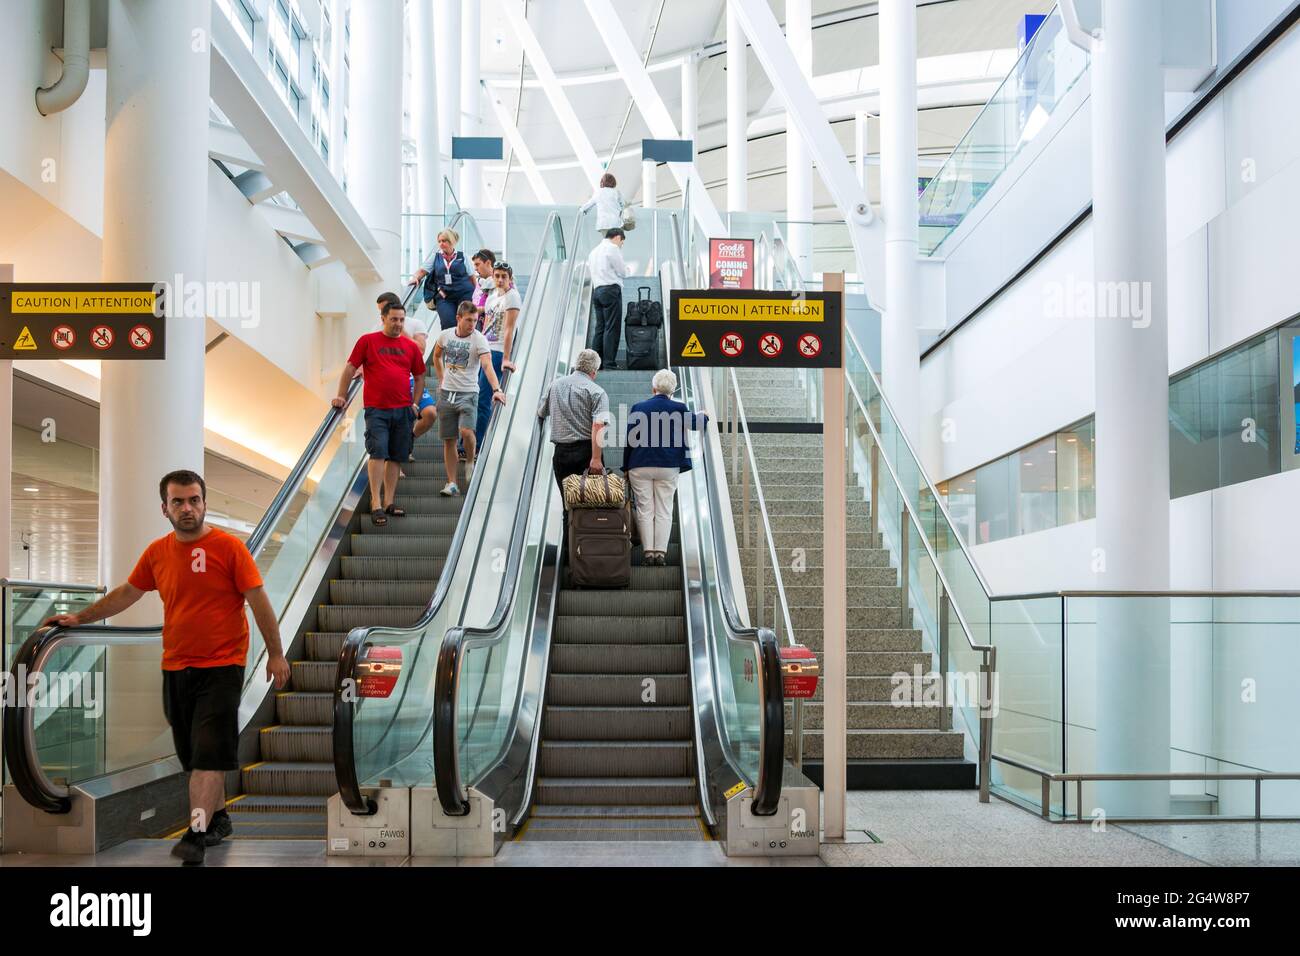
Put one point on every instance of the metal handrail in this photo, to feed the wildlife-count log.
(459, 639)
(345, 763)
(50, 586)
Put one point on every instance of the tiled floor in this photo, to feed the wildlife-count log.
(915, 828)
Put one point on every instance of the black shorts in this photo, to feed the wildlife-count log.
(390, 434)
(202, 705)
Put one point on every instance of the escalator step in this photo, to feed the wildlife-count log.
(268, 803)
(400, 545)
(643, 629)
(344, 618)
(619, 659)
(325, 645)
(310, 744)
(427, 504)
(631, 829)
(313, 675)
(642, 722)
(605, 791)
(674, 556)
(278, 824)
(615, 758)
(291, 778)
(560, 811)
(411, 525)
(390, 569)
(656, 579)
(302, 709)
(382, 592)
(618, 690)
(622, 602)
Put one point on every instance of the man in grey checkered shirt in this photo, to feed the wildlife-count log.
(579, 413)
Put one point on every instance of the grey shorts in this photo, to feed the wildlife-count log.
(456, 410)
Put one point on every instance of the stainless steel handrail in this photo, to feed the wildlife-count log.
(50, 586)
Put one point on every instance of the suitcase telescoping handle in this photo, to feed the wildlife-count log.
(640, 297)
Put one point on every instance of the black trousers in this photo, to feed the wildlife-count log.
(607, 303)
(571, 458)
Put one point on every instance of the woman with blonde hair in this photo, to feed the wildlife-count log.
(448, 281)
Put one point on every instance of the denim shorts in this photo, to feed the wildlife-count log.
(389, 435)
(456, 410)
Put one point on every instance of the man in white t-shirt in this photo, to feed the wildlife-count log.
(458, 355)
(500, 312)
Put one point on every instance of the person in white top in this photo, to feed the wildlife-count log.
(607, 269)
(497, 324)
(608, 202)
(457, 357)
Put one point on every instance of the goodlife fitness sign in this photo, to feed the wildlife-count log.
(731, 263)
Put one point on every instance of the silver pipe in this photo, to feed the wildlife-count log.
(67, 89)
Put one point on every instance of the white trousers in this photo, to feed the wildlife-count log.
(652, 491)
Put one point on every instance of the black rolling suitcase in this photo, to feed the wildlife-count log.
(600, 547)
(645, 319)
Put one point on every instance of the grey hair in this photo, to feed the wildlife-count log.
(588, 361)
(664, 382)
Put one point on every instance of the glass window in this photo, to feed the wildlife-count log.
(1076, 489)
(1249, 412)
(960, 499)
(995, 504)
(1033, 469)
(1194, 431)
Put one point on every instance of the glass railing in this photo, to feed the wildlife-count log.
(1046, 71)
(69, 716)
(390, 738)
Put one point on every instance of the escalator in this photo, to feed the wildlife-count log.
(327, 571)
(652, 713)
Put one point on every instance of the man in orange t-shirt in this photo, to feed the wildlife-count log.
(203, 576)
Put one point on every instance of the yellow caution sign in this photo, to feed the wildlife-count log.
(734, 790)
(25, 342)
(711, 309)
(693, 347)
(82, 301)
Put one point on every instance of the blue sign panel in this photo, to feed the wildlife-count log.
(477, 147)
(668, 150)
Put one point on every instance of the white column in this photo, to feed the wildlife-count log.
(899, 349)
(375, 137)
(690, 97)
(447, 44)
(798, 162)
(1132, 386)
(737, 115)
(649, 183)
(428, 149)
(155, 229)
(338, 87)
(471, 174)
(862, 146)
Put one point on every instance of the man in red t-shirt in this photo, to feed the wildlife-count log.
(203, 576)
(389, 360)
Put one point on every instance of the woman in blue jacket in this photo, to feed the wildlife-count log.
(449, 280)
(655, 454)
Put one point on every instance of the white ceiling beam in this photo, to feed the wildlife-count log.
(653, 110)
(805, 112)
(569, 122)
(525, 157)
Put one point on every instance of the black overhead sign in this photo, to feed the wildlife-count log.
(744, 328)
(86, 320)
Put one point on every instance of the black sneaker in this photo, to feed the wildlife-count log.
(219, 829)
(190, 848)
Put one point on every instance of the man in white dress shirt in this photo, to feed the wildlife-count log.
(607, 269)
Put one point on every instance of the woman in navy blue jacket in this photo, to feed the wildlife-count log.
(449, 281)
(655, 454)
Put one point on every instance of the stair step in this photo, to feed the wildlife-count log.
(865, 640)
(608, 629)
(560, 811)
(268, 803)
(289, 743)
(615, 758)
(400, 546)
(809, 577)
(391, 569)
(798, 594)
(640, 722)
(428, 504)
(382, 592)
(411, 525)
(290, 778)
(331, 617)
(655, 791)
(314, 675)
(805, 617)
(617, 690)
(621, 601)
(301, 708)
(906, 744)
(619, 659)
(325, 645)
(872, 715)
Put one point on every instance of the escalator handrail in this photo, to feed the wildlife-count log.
(345, 764)
(446, 757)
(762, 640)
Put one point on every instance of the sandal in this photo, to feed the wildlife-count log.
(378, 518)
(395, 511)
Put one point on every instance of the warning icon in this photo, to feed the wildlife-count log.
(25, 343)
(693, 347)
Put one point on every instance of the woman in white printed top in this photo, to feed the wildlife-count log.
(500, 312)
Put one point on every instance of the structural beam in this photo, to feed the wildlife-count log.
(653, 110)
(737, 115)
(776, 58)
(522, 153)
(559, 100)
